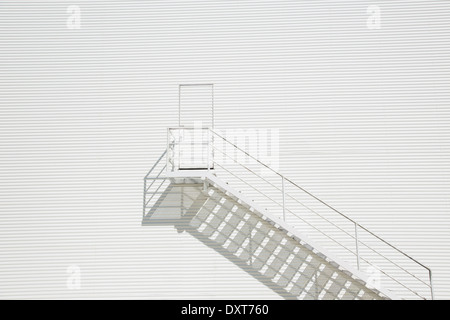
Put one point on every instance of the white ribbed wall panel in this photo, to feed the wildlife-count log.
(363, 115)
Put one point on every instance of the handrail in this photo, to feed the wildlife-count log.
(284, 179)
(145, 202)
(307, 192)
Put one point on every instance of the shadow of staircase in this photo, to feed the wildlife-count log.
(252, 242)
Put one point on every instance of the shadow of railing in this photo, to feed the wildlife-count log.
(272, 256)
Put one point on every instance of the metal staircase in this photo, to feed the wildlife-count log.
(292, 240)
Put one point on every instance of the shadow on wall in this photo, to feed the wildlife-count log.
(251, 242)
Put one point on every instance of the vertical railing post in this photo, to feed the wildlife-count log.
(357, 246)
(431, 284)
(284, 205)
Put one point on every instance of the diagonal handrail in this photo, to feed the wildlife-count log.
(356, 224)
(313, 211)
(210, 154)
(145, 203)
(156, 163)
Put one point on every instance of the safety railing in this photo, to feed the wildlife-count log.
(386, 265)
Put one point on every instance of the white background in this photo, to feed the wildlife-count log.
(363, 116)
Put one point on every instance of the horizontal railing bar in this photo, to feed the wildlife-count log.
(153, 194)
(390, 277)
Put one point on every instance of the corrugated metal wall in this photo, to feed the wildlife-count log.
(363, 116)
